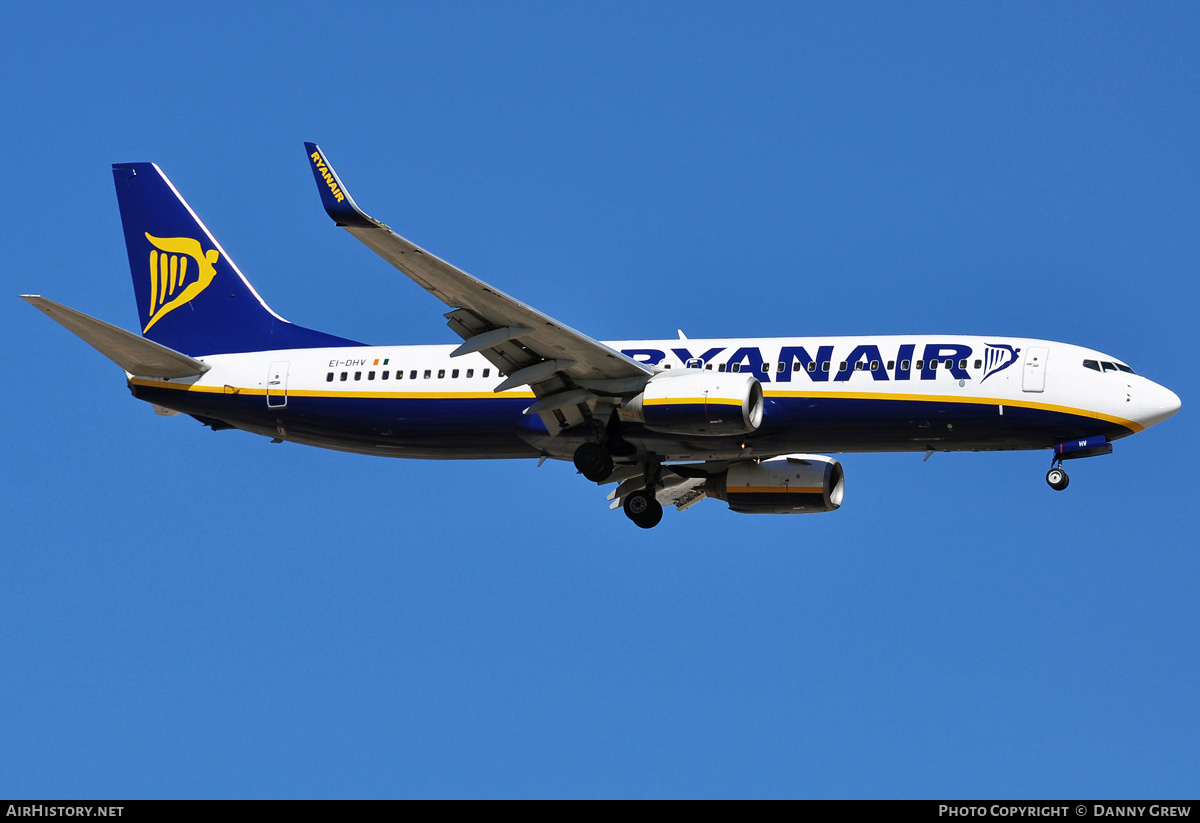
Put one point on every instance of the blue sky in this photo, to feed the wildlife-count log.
(189, 613)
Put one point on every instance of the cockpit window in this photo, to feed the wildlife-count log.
(1125, 368)
(1091, 364)
(1108, 366)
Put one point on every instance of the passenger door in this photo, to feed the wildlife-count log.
(277, 384)
(1034, 376)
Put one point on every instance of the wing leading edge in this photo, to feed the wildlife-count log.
(574, 377)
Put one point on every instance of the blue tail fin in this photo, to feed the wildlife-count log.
(191, 296)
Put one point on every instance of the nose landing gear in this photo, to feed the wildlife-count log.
(1092, 446)
(1057, 478)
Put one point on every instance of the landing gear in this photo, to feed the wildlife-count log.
(594, 462)
(1057, 478)
(643, 509)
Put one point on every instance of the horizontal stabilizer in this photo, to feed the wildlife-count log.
(132, 353)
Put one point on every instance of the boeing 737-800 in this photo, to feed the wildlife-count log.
(663, 421)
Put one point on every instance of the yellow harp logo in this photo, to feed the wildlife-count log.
(169, 286)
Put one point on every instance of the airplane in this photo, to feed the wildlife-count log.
(745, 421)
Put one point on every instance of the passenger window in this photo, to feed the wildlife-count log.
(859, 365)
(906, 364)
(919, 365)
(708, 366)
(441, 373)
(370, 375)
(485, 372)
(796, 366)
(932, 364)
(978, 364)
(962, 364)
(329, 377)
(891, 365)
(812, 366)
(1108, 366)
(454, 373)
(825, 366)
(345, 375)
(384, 376)
(428, 374)
(764, 368)
(470, 373)
(720, 367)
(843, 366)
(874, 365)
(949, 365)
(412, 375)
(736, 367)
(781, 367)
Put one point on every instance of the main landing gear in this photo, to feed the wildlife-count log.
(643, 509)
(594, 462)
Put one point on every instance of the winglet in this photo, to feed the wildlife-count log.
(337, 201)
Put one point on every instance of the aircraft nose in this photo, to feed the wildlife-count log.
(1158, 403)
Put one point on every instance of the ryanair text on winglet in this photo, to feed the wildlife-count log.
(328, 175)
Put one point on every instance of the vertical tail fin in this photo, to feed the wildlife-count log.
(191, 296)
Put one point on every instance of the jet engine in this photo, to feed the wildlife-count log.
(698, 403)
(795, 484)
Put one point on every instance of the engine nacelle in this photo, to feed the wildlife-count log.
(698, 403)
(795, 484)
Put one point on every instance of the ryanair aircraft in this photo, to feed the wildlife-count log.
(662, 421)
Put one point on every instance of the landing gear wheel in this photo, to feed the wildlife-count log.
(593, 462)
(643, 509)
(1057, 478)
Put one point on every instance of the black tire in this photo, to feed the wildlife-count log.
(604, 472)
(1057, 478)
(643, 509)
(591, 459)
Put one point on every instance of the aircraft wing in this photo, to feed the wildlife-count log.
(573, 376)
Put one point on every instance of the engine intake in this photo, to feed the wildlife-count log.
(698, 403)
(795, 484)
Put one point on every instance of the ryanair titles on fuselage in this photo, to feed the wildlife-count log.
(820, 365)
